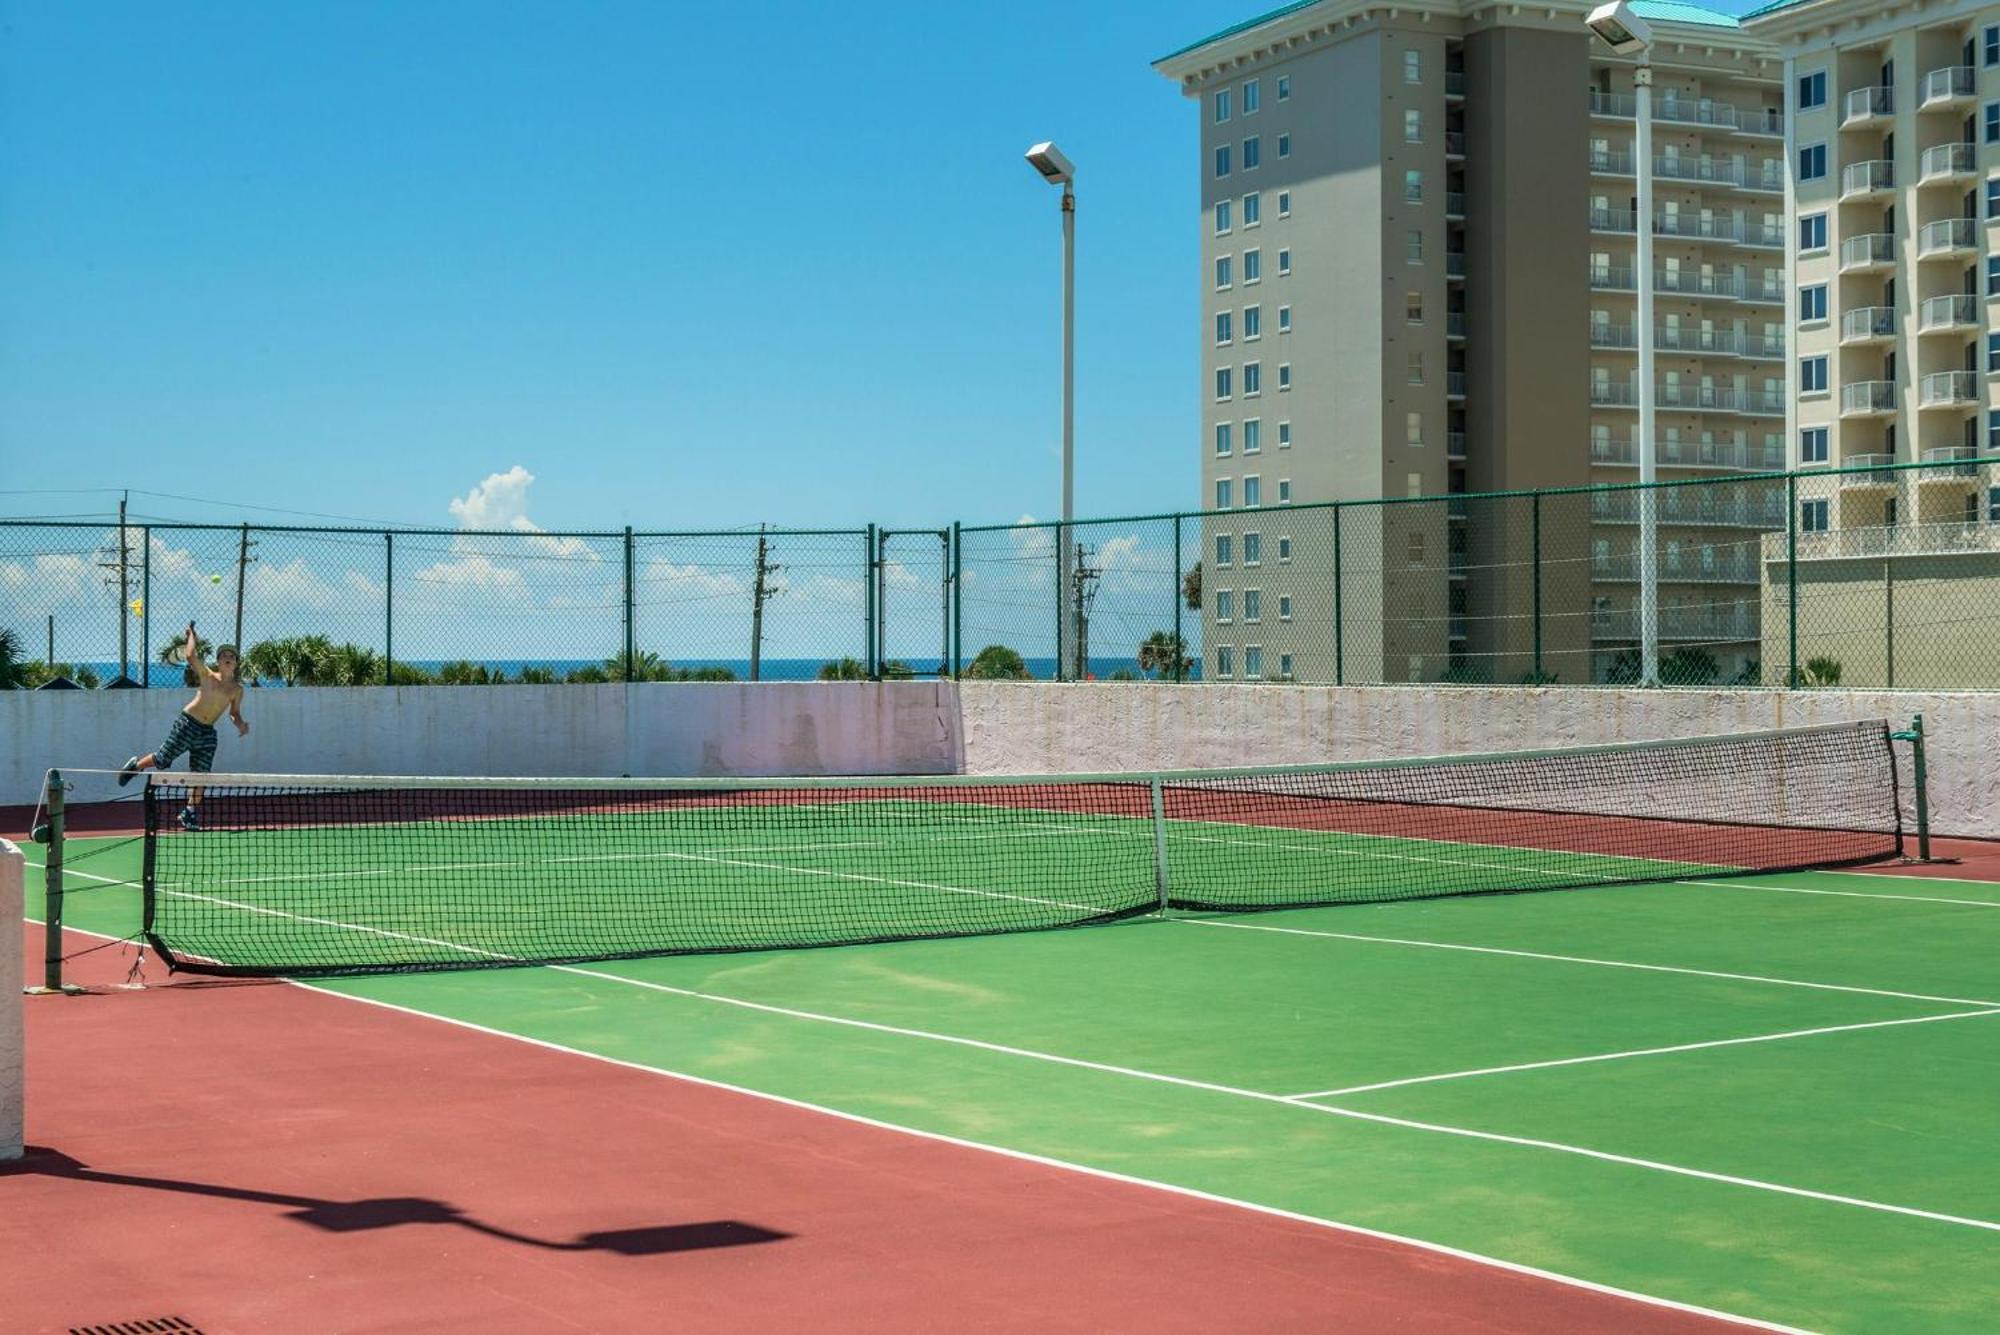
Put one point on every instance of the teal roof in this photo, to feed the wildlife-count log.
(1772, 9)
(1665, 11)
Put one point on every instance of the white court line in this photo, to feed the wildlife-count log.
(1641, 1052)
(1282, 1100)
(1849, 894)
(1025, 1156)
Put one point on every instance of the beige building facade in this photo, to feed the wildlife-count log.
(1418, 236)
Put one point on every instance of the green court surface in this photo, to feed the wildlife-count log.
(1772, 1096)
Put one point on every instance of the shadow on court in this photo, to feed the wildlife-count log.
(396, 1211)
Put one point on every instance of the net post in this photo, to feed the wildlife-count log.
(1339, 631)
(628, 604)
(1535, 576)
(1920, 780)
(388, 609)
(1180, 644)
(52, 891)
(957, 600)
(1160, 847)
(1792, 578)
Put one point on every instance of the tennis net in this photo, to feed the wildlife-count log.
(304, 875)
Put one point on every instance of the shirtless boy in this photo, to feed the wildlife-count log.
(216, 690)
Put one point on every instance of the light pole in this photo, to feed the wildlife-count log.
(1056, 169)
(1627, 35)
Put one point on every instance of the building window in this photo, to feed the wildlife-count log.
(1225, 549)
(1812, 375)
(1284, 491)
(1413, 423)
(1221, 383)
(1812, 90)
(1222, 106)
(1284, 376)
(1253, 492)
(1812, 231)
(1222, 218)
(1222, 437)
(1253, 210)
(1285, 614)
(1223, 661)
(1812, 303)
(1413, 307)
(1285, 263)
(1413, 187)
(1253, 379)
(1222, 160)
(1812, 445)
(1284, 549)
(1284, 145)
(1253, 436)
(1990, 40)
(1993, 435)
(1250, 97)
(1251, 153)
(1413, 67)
(1222, 275)
(1413, 549)
(1413, 246)
(1284, 435)
(1253, 655)
(1413, 126)
(1993, 275)
(1284, 87)
(1992, 118)
(1225, 605)
(1993, 352)
(1253, 322)
(1221, 327)
(1993, 198)
(1222, 489)
(1253, 610)
(1253, 549)
(1812, 516)
(1812, 162)
(1416, 376)
(1284, 319)
(1284, 201)
(1253, 266)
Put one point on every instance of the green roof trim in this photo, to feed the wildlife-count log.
(1772, 9)
(1664, 11)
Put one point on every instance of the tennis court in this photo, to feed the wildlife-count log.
(1765, 1095)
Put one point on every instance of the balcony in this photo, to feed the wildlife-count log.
(1865, 106)
(1454, 446)
(1696, 283)
(1454, 204)
(1948, 389)
(1860, 180)
(1770, 236)
(1609, 394)
(1690, 507)
(1454, 144)
(1948, 164)
(1616, 336)
(1672, 167)
(1697, 227)
(1868, 324)
(1621, 105)
(1617, 221)
(1454, 264)
(1454, 83)
(1694, 111)
(1874, 480)
(1944, 315)
(1739, 456)
(1950, 465)
(1610, 162)
(1454, 384)
(1707, 625)
(1948, 238)
(1766, 121)
(1952, 86)
(1767, 177)
(1949, 539)
(1870, 252)
(1610, 278)
(1868, 398)
(1682, 567)
(1454, 324)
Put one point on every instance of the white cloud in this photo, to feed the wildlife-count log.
(501, 502)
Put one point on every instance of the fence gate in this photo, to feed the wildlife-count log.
(912, 574)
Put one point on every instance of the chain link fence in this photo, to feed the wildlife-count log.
(1863, 577)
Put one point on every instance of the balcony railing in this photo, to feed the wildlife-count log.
(1871, 250)
(1703, 625)
(1694, 282)
(1738, 455)
(1761, 120)
(1690, 507)
(1454, 204)
(1673, 168)
(1454, 324)
(1865, 104)
(1953, 312)
(1454, 445)
(1865, 398)
(1454, 384)
(1867, 178)
(1950, 539)
(1454, 143)
(1942, 464)
(1737, 567)
(1947, 237)
(1613, 279)
(1614, 220)
(1613, 335)
(1948, 389)
(1454, 264)
(1866, 480)
(1610, 394)
(1454, 83)
(1952, 84)
(1867, 324)
(1611, 162)
(1949, 162)
(1692, 111)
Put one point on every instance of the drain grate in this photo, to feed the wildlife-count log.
(157, 1325)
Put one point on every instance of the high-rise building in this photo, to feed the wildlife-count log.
(1895, 146)
(1417, 279)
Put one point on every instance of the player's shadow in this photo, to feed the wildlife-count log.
(395, 1211)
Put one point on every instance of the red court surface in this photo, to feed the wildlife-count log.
(256, 1157)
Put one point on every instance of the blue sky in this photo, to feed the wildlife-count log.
(685, 269)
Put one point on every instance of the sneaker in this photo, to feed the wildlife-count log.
(190, 819)
(128, 771)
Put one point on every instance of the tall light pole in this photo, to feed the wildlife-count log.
(1056, 169)
(1627, 35)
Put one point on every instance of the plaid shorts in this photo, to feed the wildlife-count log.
(192, 736)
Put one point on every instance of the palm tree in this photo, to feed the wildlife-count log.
(998, 662)
(1164, 654)
(843, 669)
(1191, 587)
(12, 666)
(352, 665)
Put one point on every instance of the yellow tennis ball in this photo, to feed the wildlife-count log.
(215, 579)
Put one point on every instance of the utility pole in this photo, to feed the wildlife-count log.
(762, 591)
(121, 561)
(243, 560)
(1083, 583)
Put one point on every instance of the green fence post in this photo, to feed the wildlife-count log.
(957, 600)
(146, 610)
(1180, 644)
(388, 609)
(630, 639)
(1535, 515)
(1792, 578)
(868, 597)
(1339, 631)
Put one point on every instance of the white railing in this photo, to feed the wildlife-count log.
(1867, 322)
(1947, 236)
(1868, 396)
(1945, 161)
(1948, 388)
(1870, 248)
(1866, 103)
(1957, 538)
(1953, 83)
(1862, 178)
(1949, 312)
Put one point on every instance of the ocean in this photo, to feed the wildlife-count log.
(163, 676)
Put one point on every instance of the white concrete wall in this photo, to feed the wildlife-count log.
(11, 1042)
(1029, 728)
(668, 728)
